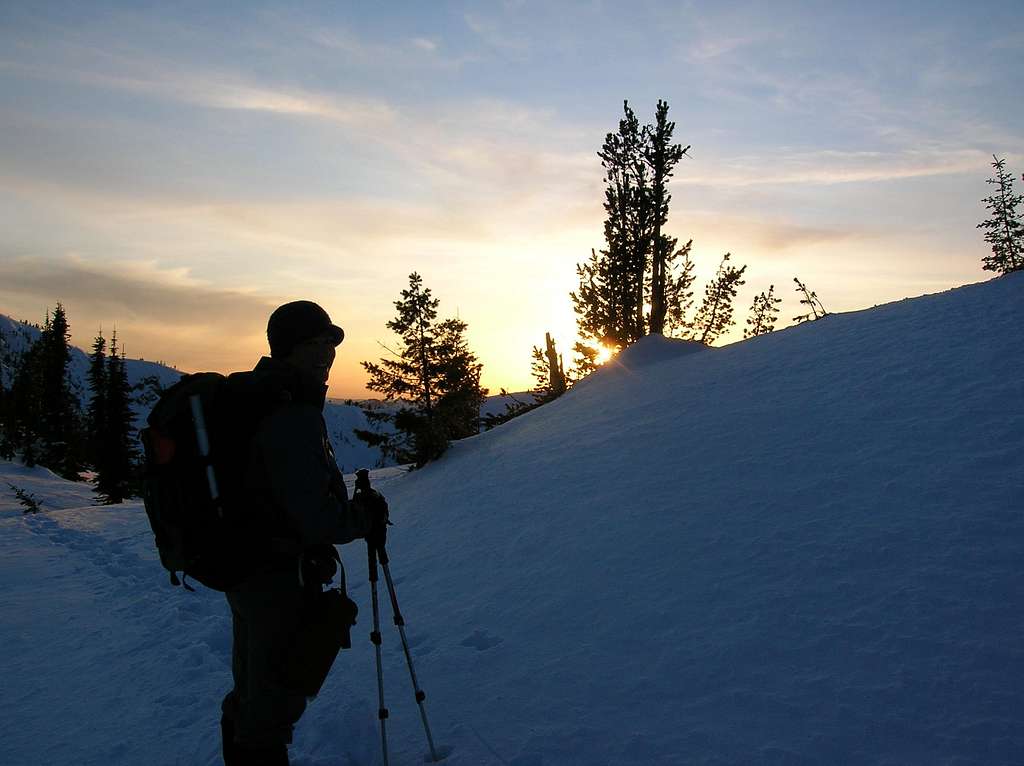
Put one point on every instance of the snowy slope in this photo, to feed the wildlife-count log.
(803, 548)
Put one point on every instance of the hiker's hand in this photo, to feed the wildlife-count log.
(320, 563)
(377, 510)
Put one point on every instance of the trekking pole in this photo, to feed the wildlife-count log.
(382, 712)
(379, 553)
(400, 624)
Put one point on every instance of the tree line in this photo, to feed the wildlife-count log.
(43, 421)
(641, 282)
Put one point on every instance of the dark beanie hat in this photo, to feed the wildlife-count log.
(298, 321)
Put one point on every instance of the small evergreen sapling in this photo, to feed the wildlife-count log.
(1004, 230)
(714, 316)
(28, 501)
(815, 309)
(764, 312)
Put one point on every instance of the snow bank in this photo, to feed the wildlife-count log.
(802, 548)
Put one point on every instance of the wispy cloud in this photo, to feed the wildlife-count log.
(403, 54)
(747, 233)
(827, 167)
(220, 90)
(708, 47)
(129, 289)
(495, 35)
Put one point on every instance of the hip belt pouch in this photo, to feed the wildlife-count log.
(324, 630)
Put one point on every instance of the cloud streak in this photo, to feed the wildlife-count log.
(129, 290)
(829, 167)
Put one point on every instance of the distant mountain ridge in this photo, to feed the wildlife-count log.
(16, 337)
(341, 418)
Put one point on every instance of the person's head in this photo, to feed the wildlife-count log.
(301, 334)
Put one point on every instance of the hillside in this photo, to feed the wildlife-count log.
(802, 548)
(16, 337)
(341, 418)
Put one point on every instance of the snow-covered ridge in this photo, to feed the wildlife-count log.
(801, 548)
(17, 336)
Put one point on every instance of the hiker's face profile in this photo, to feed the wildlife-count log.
(314, 357)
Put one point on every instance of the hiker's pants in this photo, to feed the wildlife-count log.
(264, 623)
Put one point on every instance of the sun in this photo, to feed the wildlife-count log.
(603, 354)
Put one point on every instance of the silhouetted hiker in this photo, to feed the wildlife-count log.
(295, 492)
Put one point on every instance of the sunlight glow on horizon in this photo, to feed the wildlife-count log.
(181, 174)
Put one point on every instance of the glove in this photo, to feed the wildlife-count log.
(320, 564)
(376, 508)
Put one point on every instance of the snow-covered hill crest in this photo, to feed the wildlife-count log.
(802, 548)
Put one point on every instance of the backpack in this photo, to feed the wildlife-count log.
(197, 446)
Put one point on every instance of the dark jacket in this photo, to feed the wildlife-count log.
(292, 482)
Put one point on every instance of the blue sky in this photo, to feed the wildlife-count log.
(181, 169)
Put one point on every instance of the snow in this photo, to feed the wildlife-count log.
(801, 548)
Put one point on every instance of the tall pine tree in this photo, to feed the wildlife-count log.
(434, 378)
(96, 416)
(661, 155)
(115, 471)
(632, 287)
(59, 417)
(1004, 230)
(43, 419)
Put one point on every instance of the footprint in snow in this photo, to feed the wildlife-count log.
(481, 640)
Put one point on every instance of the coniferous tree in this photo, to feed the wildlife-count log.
(459, 393)
(96, 416)
(25, 404)
(815, 309)
(435, 378)
(763, 314)
(1004, 229)
(60, 439)
(633, 285)
(43, 420)
(609, 301)
(679, 278)
(8, 370)
(661, 155)
(115, 469)
(714, 316)
(6, 416)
